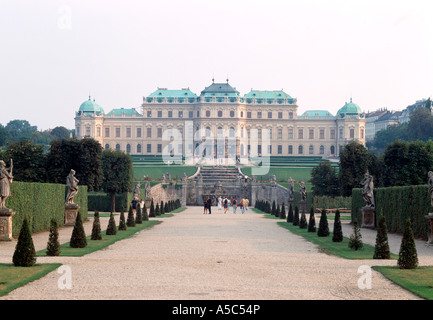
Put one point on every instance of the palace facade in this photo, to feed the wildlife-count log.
(221, 123)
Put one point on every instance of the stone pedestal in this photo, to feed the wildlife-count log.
(429, 219)
(302, 206)
(368, 217)
(71, 212)
(6, 224)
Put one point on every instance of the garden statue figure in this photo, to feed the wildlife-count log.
(430, 186)
(367, 190)
(291, 189)
(72, 184)
(5, 178)
(136, 195)
(303, 191)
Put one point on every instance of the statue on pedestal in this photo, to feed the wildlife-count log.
(430, 186)
(72, 184)
(367, 189)
(303, 191)
(5, 179)
(136, 194)
(291, 189)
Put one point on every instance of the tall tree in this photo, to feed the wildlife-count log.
(324, 179)
(117, 172)
(420, 124)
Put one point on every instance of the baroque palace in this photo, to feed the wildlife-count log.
(220, 123)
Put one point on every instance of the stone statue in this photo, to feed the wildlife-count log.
(5, 178)
(291, 189)
(72, 184)
(148, 191)
(303, 191)
(430, 186)
(184, 177)
(137, 191)
(367, 189)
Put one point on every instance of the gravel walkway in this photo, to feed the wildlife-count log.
(212, 257)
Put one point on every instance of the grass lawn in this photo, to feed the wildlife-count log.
(326, 244)
(12, 277)
(93, 245)
(419, 281)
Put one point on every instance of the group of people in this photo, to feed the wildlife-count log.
(225, 203)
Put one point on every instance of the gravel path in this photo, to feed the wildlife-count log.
(212, 257)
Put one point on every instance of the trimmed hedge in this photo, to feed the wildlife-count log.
(41, 202)
(397, 204)
(100, 201)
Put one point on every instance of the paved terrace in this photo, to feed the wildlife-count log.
(217, 256)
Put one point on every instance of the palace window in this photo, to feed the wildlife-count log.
(208, 113)
(300, 149)
(107, 146)
(259, 114)
(138, 132)
(159, 135)
(332, 133)
(180, 114)
(270, 115)
(138, 148)
(322, 133)
(311, 149)
(249, 114)
(118, 147)
(149, 114)
(159, 114)
(322, 150)
(280, 115)
(170, 114)
(159, 148)
(280, 133)
(117, 132)
(88, 131)
(311, 133)
(149, 148)
(149, 132)
(190, 114)
(352, 133)
(128, 132)
(107, 132)
(128, 148)
(220, 113)
(232, 114)
(290, 115)
(280, 149)
(290, 133)
(290, 149)
(300, 133)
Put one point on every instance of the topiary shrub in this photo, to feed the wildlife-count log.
(296, 216)
(96, 228)
(111, 229)
(130, 222)
(312, 221)
(337, 235)
(323, 225)
(355, 241)
(138, 216)
(122, 223)
(144, 213)
(381, 249)
(283, 211)
(53, 245)
(274, 208)
(157, 212)
(162, 209)
(303, 221)
(278, 211)
(152, 209)
(78, 237)
(25, 254)
(290, 214)
(407, 257)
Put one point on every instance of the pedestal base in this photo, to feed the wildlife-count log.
(302, 207)
(6, 224)
(429, 219)
(71, 212)
(368, 217)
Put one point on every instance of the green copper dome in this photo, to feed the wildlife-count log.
(90, 107)
(349, 108)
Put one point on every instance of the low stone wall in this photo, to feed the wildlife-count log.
(166, 192)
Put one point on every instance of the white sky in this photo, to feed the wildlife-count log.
(53, 53)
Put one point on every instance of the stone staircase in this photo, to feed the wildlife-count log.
(221, 174)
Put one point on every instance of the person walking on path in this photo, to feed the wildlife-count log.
(205, 206)
(220, 200)
(241, 205)
(246, 203)
(209, 204)
(234, 204)
(226, 204)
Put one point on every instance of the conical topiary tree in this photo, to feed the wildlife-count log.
(278, 211)
(96, 228)
(323, 225)
(144, 213)
(78, 237)
(303, 221)
(138, 216)
(122, 222)
(290, 214)
(24, 254)
(152, 209)
(337, 235)
(112, 228)
(274, 208)
(312, 221)
(296, 216)
(130, 222)
(355, 241)
(53, 245)
(283, 211)
(162, 208)
(381, 249)
(407, 257)
(157, 212)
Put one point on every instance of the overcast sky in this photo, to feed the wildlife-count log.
(53, 53)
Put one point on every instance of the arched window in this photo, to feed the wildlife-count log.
(332, 150)
(220, 113)
(118, 147)
(220, 131)
(311, 149)
(300, 149)
(232, 132)
(322, 150)
(138, 148)
(107, 146)
(128, 148)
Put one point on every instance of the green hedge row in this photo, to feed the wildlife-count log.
(397, 204)
(40, 202)
(100, 201)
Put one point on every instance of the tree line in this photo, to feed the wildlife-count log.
(403, 163)
(107, 170)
